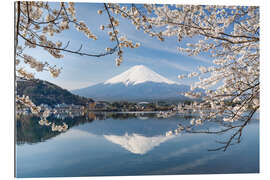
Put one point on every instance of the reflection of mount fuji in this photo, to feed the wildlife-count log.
(136, 136)
(136, 143)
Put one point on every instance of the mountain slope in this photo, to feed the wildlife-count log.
(45, 92)
(143, 91)
(137, 83)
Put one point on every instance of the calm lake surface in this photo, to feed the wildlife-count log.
(129, 144)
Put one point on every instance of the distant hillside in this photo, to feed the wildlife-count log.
(45, 92)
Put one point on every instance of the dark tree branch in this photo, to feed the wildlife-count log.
(70, 51)
(66, 45)
(17, 23)
(28, 14)
(110, 18)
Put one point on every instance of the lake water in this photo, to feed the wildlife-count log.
(129, 144)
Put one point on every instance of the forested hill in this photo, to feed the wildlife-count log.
(44, 92)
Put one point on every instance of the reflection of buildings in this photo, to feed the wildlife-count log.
(91, 115)
(61, 116)
(95, 116)
(136, 143)
(166, 114)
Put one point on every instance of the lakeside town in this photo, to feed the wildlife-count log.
(64, 110)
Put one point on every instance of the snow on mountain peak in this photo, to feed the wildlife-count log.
(138, 74)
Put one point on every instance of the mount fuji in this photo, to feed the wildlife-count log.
(137, 83)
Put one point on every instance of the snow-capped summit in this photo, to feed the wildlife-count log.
(137, 83)
(138, 74)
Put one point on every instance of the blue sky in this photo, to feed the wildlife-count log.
(82, 71)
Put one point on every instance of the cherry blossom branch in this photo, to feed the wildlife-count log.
(238, 132)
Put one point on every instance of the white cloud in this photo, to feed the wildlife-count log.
(177, 65)
(202, 59)
(161, 62)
